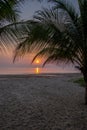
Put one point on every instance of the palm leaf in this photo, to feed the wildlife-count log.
(60, 28)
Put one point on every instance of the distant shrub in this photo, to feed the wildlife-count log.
(80, 81)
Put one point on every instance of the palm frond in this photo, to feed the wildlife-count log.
(55, 34)
(9, 34)
(83, 17)
(9, 14)
(54, 55)
(8, 11)
(66, 7)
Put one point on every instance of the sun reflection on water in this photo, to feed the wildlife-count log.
(37, 70)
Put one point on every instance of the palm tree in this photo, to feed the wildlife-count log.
(9, 14)
(58, 34)
(9, 22)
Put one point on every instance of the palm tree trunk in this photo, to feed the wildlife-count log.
(86, 94)
(85, 79)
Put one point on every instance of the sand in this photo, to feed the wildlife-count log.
(32, 102)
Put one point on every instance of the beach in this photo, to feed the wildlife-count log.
(42, 102)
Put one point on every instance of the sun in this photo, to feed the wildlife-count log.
(37, 61)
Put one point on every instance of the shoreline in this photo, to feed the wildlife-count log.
(40, 74)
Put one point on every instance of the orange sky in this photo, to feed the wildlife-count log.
(24, 65)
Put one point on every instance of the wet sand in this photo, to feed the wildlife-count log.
(42, 102)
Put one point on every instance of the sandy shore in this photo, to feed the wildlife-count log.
(32, 102)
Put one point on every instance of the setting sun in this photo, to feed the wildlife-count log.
(37, 61)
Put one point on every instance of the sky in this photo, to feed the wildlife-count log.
(24, 66)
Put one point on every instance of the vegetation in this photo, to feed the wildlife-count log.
(9, 15)
(80, 81)
(58, 34)
(9, 22)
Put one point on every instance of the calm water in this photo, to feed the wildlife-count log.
(36, 70)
